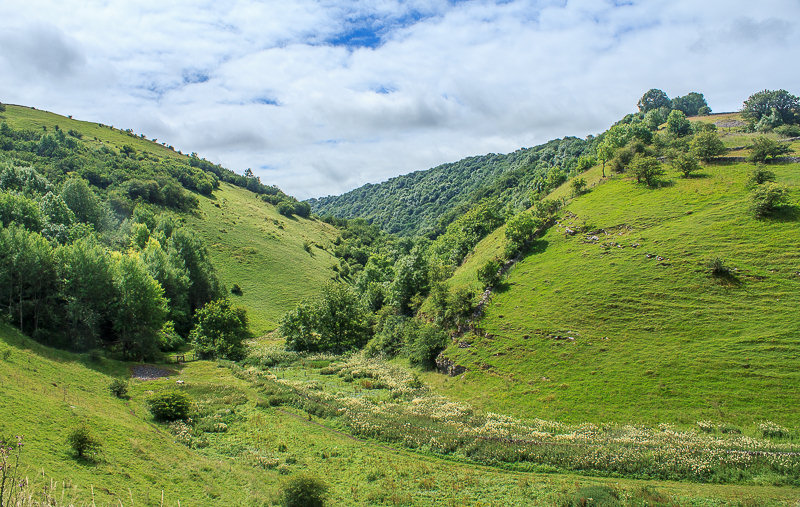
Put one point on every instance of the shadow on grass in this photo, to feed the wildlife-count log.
(787, 213)
(536, 246)
(728, 279)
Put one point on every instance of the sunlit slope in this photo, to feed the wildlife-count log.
(45, 393)
(654, 338)
(251, 244)
(277, 261)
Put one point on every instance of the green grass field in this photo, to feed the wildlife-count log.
(652, 340)
(44, 393)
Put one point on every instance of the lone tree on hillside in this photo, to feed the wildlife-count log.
(647, 169)
(707, 145)
(653, 99)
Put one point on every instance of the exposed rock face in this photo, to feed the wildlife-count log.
(448, 367)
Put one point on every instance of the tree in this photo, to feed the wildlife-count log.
(655, 117)
(519, 229)
(706, 145)
(690, 104)
(785, 105)
(173, 277)
(578, 186)
(653, 99)
(88, 288)
(139, 309)
(220, 331)
(646, 168)
(677, 124)
(85, 204)
(764, 148)
(335, 322)
(686, 164)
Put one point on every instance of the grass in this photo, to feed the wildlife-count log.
(262, 251)
(652, 340)
(262, 447)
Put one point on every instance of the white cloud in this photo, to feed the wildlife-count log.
(262, 84)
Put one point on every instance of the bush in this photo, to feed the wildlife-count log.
(646, 169)
(717, 268)
(686, 164)
(578, 186)
(170, 406)
(118, 388)
(761, 175)
(764, 148)
(423, 344)
(236, 290)
(707, 145)
(489, 273)
(592, 495)
(677, 124)
(788, 130)
(304, 491)
(767, 198)
(83, 442)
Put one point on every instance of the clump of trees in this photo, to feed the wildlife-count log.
(220, 331)
(769, 109)
(71, 279)
(335, 322)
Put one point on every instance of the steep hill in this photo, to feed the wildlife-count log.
(619, 319)
(276, 260)
(424, 202)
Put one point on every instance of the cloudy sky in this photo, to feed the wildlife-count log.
(319, 97)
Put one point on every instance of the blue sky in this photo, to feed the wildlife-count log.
(319, 97)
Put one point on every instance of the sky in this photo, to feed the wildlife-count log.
(319, 97)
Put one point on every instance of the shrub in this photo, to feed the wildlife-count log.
(717, 268)
(764, 148)
(236, 290)
(83, 442)
(304, 490)
(767, 198)
(170, 406)
(578, 186)
(771, 430)
(489, 273)
(788, 130)
(677, 124)
(704, 111)
(761, 175)
(118, 388)
(646, 169)
(707, 145)
(592, 495)
(686, 164)
(424, 342)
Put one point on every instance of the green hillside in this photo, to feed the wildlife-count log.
(621, 319)
(251, 244)
(264, 252)
(425, 202)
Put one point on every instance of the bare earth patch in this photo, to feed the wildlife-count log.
(149, 372)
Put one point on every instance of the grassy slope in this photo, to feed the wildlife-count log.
(254, 246)
(140, 459)
(654, 341)
(250, 242)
